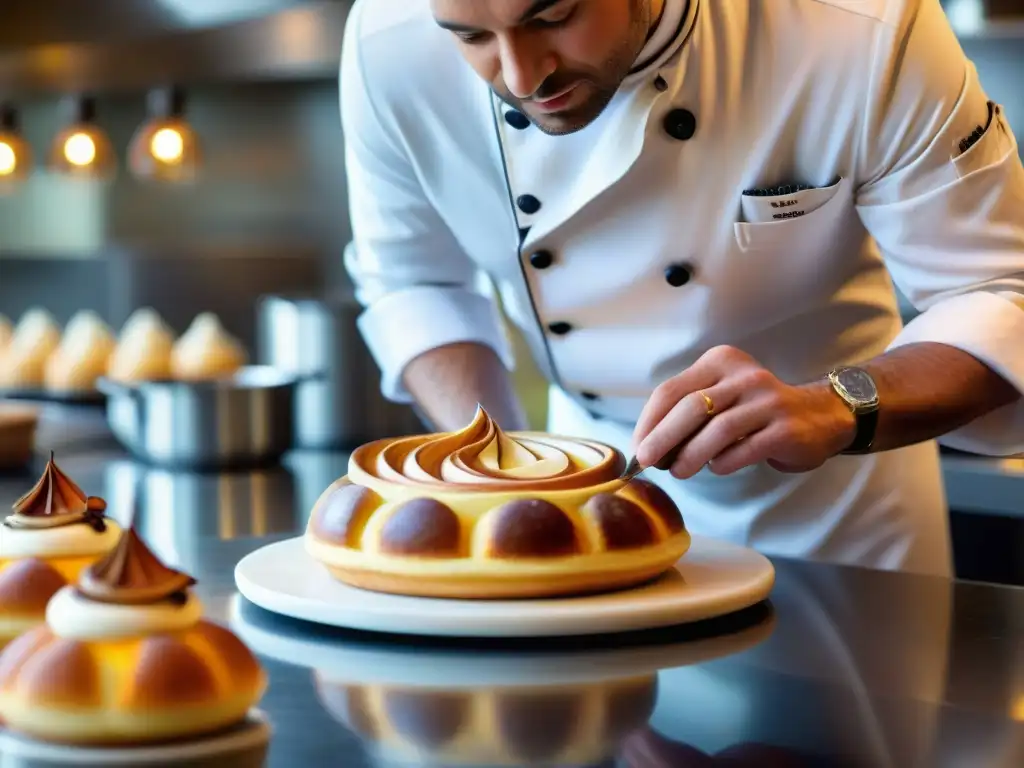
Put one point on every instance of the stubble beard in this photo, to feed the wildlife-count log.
(604, 83)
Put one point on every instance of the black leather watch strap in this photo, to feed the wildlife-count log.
(867, 425)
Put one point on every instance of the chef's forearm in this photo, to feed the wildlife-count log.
(927, 390)
(448, 382)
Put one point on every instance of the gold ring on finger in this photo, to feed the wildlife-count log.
(708, 402)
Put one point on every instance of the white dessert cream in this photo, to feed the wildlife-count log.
(53, 533)
(129, 593)
(206, 351)
(83, 355)
(23, 361)
(143, 350)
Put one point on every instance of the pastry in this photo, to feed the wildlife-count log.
(83, 355)
(6, 331)
(54, 531)
(575, 724)
(125, 657)
(18, 425)
(482, 514)
(23, 362)
(143, 350)
(206, 351)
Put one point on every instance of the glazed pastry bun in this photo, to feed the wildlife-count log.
(125, 657)
(483, 514)
(576, 724)
(53, 533)
(143, 350)
(206, 351)
(6, 332)
(23, 362)
(83, 355)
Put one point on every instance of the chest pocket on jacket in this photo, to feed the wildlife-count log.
(993, 144)
(806, 234)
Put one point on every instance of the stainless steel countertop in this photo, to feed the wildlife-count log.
(844, 667)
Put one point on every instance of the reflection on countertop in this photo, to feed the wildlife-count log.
(844, 667)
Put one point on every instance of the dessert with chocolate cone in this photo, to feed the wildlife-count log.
(479, 513)
(125, 657)
(52, 534)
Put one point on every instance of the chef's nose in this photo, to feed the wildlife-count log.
(525, 64)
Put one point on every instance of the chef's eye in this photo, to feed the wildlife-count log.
(471, 38)
(556, 18)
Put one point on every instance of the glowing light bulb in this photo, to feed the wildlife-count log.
(167, 145)
(80, 149)
(8, 159)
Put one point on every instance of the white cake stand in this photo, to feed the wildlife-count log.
(249, 739)
(713, 579)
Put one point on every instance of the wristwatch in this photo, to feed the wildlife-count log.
(857, 389)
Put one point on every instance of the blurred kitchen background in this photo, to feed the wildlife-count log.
(266, 212)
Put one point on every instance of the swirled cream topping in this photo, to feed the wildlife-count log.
(127, 593)
(483, 457)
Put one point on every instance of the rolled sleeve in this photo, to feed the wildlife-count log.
(949, 220)
(418, 287)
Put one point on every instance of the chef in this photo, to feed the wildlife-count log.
(695, 212)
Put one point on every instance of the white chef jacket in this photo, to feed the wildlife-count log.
(626, 250)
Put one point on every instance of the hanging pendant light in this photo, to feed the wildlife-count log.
(15, 153)
(82, 149)
(166, 148)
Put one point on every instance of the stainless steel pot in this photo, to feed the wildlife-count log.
(236, 423)
(338, 404)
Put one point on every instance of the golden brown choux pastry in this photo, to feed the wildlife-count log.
(143, 350)
(125, 657)
(23, 362)
(483, 514)
(83, 355)
(54, 532)
(206, 351)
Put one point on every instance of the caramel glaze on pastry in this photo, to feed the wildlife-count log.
(579, 724)
(483, 514)
(125, 657)
(53, 533)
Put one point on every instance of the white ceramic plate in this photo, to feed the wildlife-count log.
(361, 662)
(713, 579)
(254, 733)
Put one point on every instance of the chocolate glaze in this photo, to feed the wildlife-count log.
(623, 524)
(657, 501)
(421, 527)
(340, 517)
(56, 501)
(132, 575)
(532, 528)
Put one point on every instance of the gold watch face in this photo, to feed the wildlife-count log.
(858, 386)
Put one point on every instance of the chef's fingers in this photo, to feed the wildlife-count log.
(668, 395)
(681, 422)
(717, 436)
(752, 449)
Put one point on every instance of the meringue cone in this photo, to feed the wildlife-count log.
(83, 355)
(206, 351)
(132, 575)
(23, 362)
(143, 351)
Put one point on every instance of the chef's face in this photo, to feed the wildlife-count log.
(558, 61)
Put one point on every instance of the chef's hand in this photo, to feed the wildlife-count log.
(753, 418)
